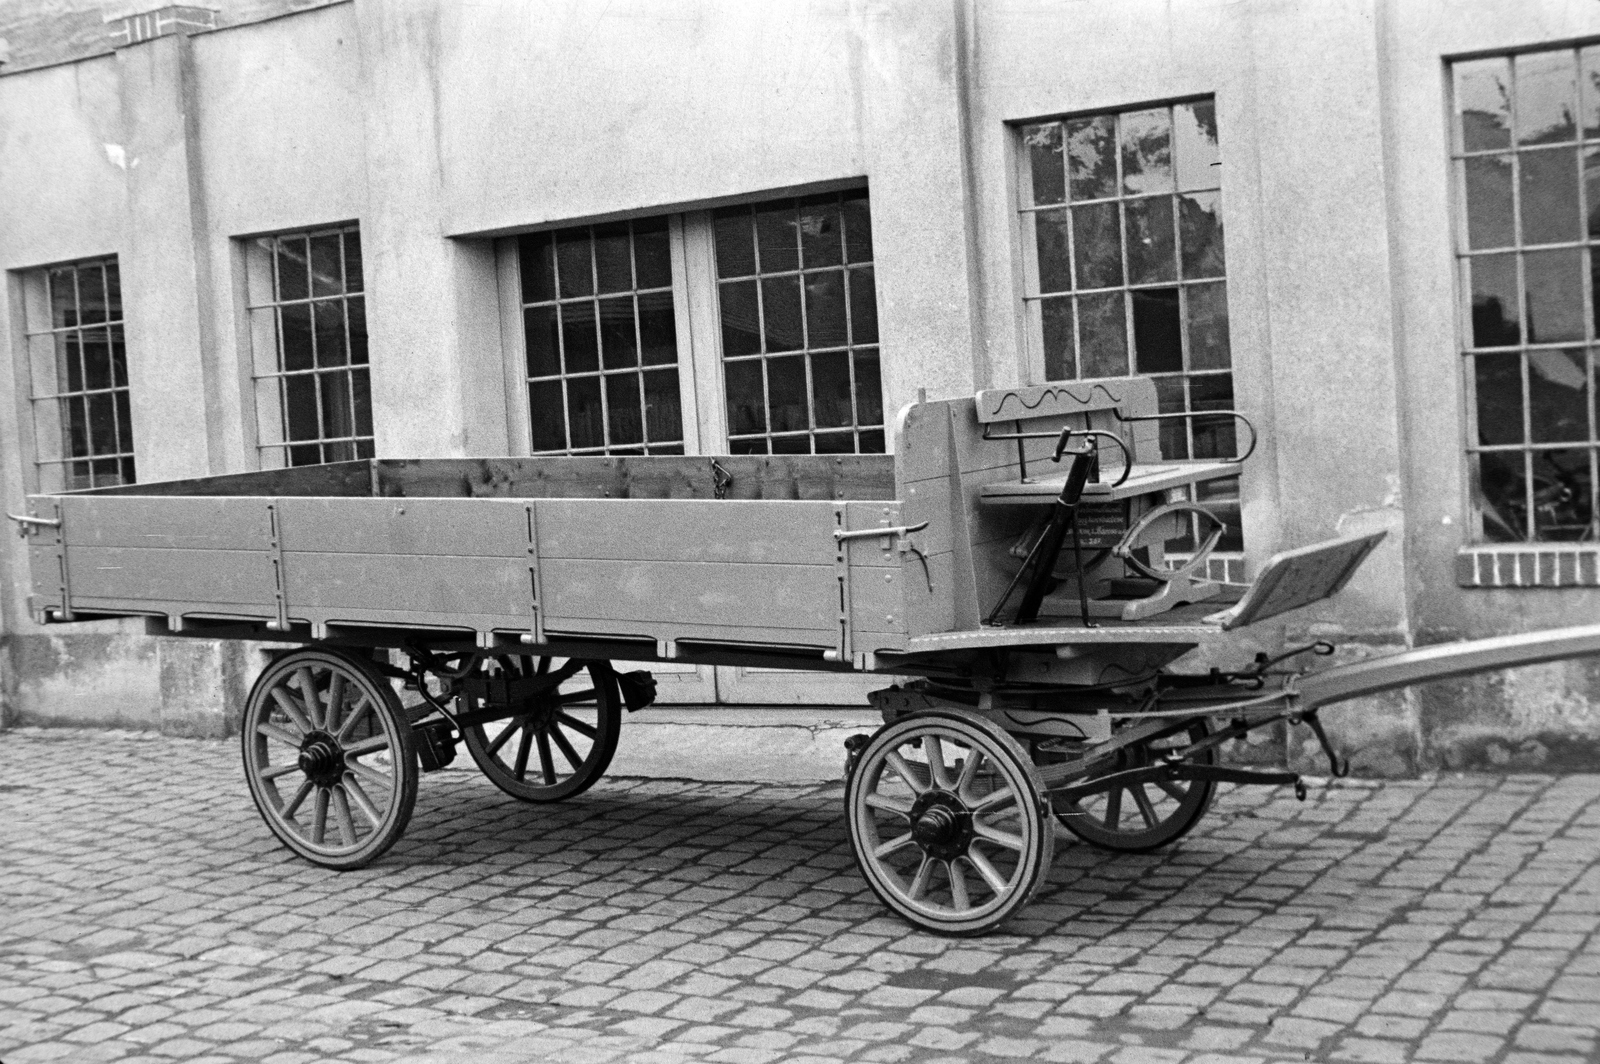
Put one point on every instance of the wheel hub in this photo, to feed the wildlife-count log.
(941, 825)
(321, 758)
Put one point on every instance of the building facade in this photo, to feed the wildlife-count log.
(415, 228)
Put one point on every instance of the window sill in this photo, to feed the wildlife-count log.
(1529, 565)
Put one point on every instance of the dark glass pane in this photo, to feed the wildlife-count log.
(579, 343)
(1549, 184)
(1502, 484)
(91, 295)
(663, 406)
(544, 346)
(1045, 166)
(102, 424)
(1554, 281)
(96, 358)
(791, 445)
(294, 328)
(1483, 98)
(741, 318)
(1495, 318)
(869, 390)
(1157, 335)
(329, 316)
(786, 394)
(69, 363)
(113, 292)
(1221, 497)
(652, 253)
(1147, 151)
(830, 389)
(1170, 399)
(585, 415)
(353, 281)
(825, 320)
(735, 240)
(1091, 157)
(747, 404)
(537, 264)
(356, 309)
(780, 310)
(623, 412)
(618, 346)
(337, 417)
(658, 330)
(1152, 251)
(307, 454)
(1591, 191)
(1102, 336)
(863, 306)
(573, 267)
(119, 358)
(1200, 234)
(340, 451)
(300, 401)
(870, 443)
(1497, 381)
(613, 257)
(1563, 495)
(545, 417)
(75, 426)
(63, 297)
(1558, 395)
(821, 232)
(1213, 436)
(292, 280)
(1058, 326)
(1050, 233)
(1194, 145)
(1209, 347)
(1589, 91)
(1489, 213)
(1097, 245)
(777, 239)
(105, 472)
(124, 423)
(361, 400)
(126, 472)
(834, 443)
(327, 276)
(857, 227)
(757, 445)
(1547, 90)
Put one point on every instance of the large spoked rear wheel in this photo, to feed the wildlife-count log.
(558, 743)
(329, 758)
(1138, 817)
(947, 822)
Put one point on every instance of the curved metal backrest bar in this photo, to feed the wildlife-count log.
(1248, 451)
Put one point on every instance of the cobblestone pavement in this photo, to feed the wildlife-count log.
(146, 914)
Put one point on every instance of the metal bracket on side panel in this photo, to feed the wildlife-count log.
(841, 573)
(903, 543)
(61, 564)
(275, 541)
(535, 633)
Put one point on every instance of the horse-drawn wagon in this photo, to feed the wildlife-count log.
(1007, 566)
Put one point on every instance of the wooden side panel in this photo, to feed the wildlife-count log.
(194, 523)
(795, 533)
(489, 528)
(153, 578)
(437, 588)
(927, 485)
(777, 477)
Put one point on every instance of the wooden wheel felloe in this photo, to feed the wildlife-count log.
(1136, 817)
(329, 758)
(947, 822)
(557, 743)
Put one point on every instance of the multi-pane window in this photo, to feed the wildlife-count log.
(309, 330)
(83, 431)
(601, 339)
(1527, 159)
(1125, 270)
(799, 322)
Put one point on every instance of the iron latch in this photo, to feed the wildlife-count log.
(24, 520)
(902, 542)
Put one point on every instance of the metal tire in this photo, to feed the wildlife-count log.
(1168, 816)
(311, 718)
(954, 849)
(555, 734)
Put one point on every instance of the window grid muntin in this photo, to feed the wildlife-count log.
(865, 437)
(112, 324)
(325, 446)
(638, 370)
(1580, 144)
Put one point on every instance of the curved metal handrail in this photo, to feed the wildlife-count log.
(1248, 451)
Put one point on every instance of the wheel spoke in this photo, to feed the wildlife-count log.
(280, 734)
(291, 709)
(294, 803)
(505, 733)
(330, 720)
(362, 802)
(1114, 808)
(919, 885)
(993, 803)
(546, 762)
(362, 708)
(272, 772)
(934, 748)
(586, 695)
(894, 759)
(1176, 792)
(1142, 800)
(969, 772)
(319, 816)
(341, 809)
(999, 838)
(586, 730)
(367, 746)
(520, 769)
(560, 739)
(308, 694)
(990, 874)
(888, 805)
(958, 885)
(370, 774)
(894, 845)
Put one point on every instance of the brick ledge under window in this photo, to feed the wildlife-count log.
(1524, 565)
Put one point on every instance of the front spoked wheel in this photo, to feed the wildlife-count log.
(329, 758)
(947, 822)
(565, 716)
(1138, 817)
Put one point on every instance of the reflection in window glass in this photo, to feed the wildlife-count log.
(1526, 134)
(800, 323)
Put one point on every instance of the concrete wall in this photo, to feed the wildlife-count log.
(440, 126)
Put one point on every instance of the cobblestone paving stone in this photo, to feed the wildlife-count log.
(147, 915)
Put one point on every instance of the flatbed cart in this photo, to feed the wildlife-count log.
(1008, 566)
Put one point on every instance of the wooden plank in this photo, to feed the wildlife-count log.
(811, 477)
(490, 528)
(137, 576)
(192, 523)
(433, 584)
(352, 478)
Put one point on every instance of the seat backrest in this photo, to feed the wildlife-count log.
(1082, 404)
